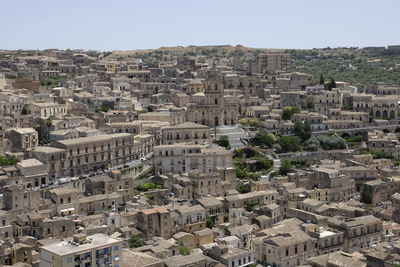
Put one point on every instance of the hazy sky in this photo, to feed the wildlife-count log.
(123, 24)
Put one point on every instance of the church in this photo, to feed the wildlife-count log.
(212, 107)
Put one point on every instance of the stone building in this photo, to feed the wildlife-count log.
(23, 138)
(54, 158)
(90, 154)
(184, 157)
(196, 183)
(47, 110)
(184, 133)
(188, 218)
(328, 100)
(155, 222)
(18, 199)
(98, 249)
(288, 249)
(273, 61)
(213, 109)
(359, 232)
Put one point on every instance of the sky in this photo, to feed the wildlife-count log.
(128, 25)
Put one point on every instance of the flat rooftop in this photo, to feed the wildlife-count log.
(63, 248)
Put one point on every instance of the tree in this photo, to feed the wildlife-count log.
(136, 242)
(102, 109)
(224, 142)
(332, 84)
(242, 189)
(263, 139)
(333, 141)
(24, 110)
(43, 129)
(253, 122)
(287, 113)
(10, 76)
(312, 144)
(303, 130)
(289, 144)
(247, 152)
(211, 221)
(241, 172)
(285, 167)
(226, 230)
(321, 79)
(250, 206)
(5, 161)
(261, 164)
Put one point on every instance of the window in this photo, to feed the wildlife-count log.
(116, 248)
(69, 260)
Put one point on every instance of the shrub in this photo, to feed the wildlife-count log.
(184, 250)
(250, 206)
(211, 221)
(285, 167)
(289, 144)
(5, 161)
(254, 176)
(263, 139)
(148, 186)
(303, 130)
(260, 164)
(224, 142)
(136, 242)
(377, 154)
(326, 142)
(102, 108)
(253, 122)
(242, 189)
(288, 111)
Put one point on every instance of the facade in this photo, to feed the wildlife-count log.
(289, 249)
(47, 110)
(359, 232)
(185, 133)
(213, 109)
(95, 250)
(273, 61)
(89, 154)
(156, 222)
(184, 157)
(23, 138)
